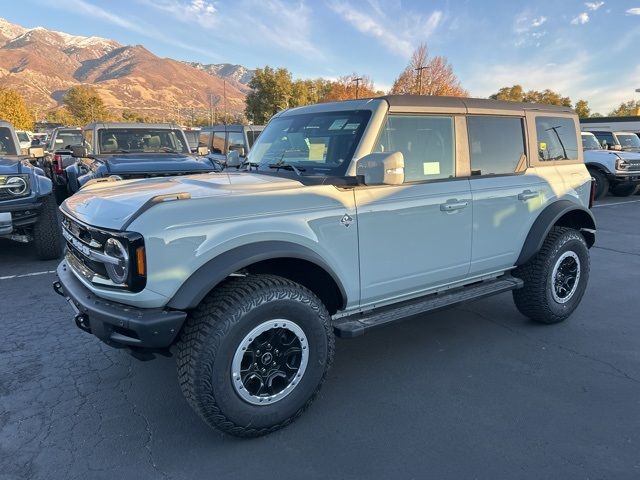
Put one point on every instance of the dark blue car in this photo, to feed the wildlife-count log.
(122, 151)
(28, 209)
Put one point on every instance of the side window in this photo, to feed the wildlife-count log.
(426, 142)
(557, 138)
(606, 137)
(496, 144)
(252, 135)
(235, 141)
(87, 137)
(204, 140)
(218, 143)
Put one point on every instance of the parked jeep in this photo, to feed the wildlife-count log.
(28, 210)
(224, 139)
(58, 157)
(354, 215)
(120, 151)
(613, 171)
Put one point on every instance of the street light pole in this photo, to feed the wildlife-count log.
(419, 70)
(357, 80)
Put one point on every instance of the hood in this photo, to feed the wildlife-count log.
(151, 162)
(10, 166)
(111, 205)
(602, 155)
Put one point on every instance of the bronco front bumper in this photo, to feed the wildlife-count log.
(114, 323)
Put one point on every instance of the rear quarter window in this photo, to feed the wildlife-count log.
(557, 138)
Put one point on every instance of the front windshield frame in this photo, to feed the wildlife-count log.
(125, 145)
(628, 140)
(270, 152)
(75, 135)
(590, 142)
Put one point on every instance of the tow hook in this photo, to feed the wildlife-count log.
(57, 287)
(82, 322)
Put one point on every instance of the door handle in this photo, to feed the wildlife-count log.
(527, 195)
(450, 207)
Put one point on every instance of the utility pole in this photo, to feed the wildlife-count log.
(419, 70)
(210, 109)
(357, 80)
(224, 91)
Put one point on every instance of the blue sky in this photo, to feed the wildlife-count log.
(582, 49)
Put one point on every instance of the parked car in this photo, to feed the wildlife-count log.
(24, 138)
(58, 157)
(356, 215)
(621, 141)
(616, 172)
(122, 151)
(41, 138)
(28, 210)
(193, 135)
(222, 139)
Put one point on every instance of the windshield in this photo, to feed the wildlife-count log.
(7, 144)
(590, 142)
(313, 143)
(68, 139)
(23, 137)
(141, 140)
(628, 140)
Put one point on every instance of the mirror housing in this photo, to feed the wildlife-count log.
(36, 152)
(78, 151)
(202, 151)
(381, 168)
(233, 159)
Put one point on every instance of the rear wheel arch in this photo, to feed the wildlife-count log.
(562, 213)
(288, 260)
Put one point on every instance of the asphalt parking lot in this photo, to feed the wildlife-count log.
(474, 392)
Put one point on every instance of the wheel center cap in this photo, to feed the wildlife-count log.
(267, 358)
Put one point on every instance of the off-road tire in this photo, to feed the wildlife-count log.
(47, 234)
(215, 329)
(623, 189)
(602, 183)
(535, 300)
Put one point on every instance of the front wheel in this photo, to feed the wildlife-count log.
(623, 189)
(253, 355)
(555, 279)
(47, 235)
(601, 181)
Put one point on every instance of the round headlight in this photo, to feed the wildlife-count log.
(119, 272)
(17, 186)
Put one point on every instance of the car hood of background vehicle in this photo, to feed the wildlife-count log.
(155, 162)
(10, 166)
(594, 155)
(111, 205)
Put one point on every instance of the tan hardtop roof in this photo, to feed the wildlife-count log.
(114, 125)
(468, 103)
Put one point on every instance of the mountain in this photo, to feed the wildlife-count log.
(233, 73)
(43, 64)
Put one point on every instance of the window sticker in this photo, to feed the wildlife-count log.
(338, 124)
(431, 168)
(316, 152)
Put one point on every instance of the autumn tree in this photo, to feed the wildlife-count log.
(428, 76)
(349, 87)
(84, 104)
(510, 94)
(582, 108)
(271, 91)
(517, 94)
(626, 109)
(13, 109)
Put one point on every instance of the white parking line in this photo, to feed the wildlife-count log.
(33, 274)
(617, 203)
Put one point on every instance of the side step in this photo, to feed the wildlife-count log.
(359, 323)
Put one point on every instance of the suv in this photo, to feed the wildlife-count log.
(625, 141)
(59, 156)
(28, 210)
(121, 151)
(224, 139)
(350, 216)
(613, 171)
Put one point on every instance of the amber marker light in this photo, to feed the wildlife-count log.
(140, 262)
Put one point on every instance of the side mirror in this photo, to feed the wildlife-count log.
(36, 152)
(233, 159)
(202, 151)
(78, 151)
(382, 168)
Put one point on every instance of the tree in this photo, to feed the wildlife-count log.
(582, 109)
(510, 94)
(626, 109)
(13, 109)
(347, 88)
(61, 116)
(84, 104)
(517, 94)
(271, 91)
(428, 76)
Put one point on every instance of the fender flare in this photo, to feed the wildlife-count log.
(72, 179)
(203, 280)
(598, 166)
(546, 220)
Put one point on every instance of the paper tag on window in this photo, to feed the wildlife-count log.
(316, 152)
(431, 168)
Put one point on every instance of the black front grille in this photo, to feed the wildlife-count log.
(87, 237)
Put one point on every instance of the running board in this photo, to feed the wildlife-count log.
(359, 323)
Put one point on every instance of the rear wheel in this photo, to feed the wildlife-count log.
(555, 278)
(47, 235)
(623, 189)
(254, 353)
(602, 184)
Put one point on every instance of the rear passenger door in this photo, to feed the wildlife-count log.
(416, 236)
(505, 199)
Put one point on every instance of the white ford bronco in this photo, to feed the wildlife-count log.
(344, 217)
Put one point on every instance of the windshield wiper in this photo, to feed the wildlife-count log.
(287, 166)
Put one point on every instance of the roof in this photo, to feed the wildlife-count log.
(172, 126)
(234, 127)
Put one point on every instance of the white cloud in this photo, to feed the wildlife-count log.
(633, 11)
(526, 28)
(537, 22)
(593, 6)
(580, 19)
(398, 33)
(202, 12)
